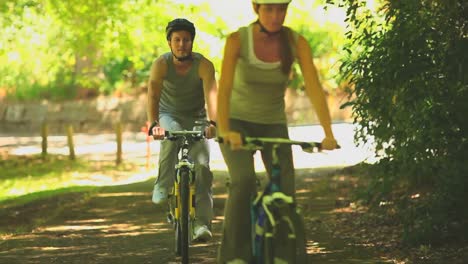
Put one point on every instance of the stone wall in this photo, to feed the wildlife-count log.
(86, 116)
(101, 114)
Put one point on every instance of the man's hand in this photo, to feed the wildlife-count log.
(158, 132)
(329, 143)
(210, 131)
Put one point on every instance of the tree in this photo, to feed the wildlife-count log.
(407, 64)
(50, 49)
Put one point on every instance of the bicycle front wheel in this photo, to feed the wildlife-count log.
(185, 235)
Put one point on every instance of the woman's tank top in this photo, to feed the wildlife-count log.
(259, 87)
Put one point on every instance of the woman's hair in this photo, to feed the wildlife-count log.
(286, 52)
(286, 42)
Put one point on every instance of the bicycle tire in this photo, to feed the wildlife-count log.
(178, 239)
(177, 228)
(268, 245)
(184, 185)
(175, 224)
(301, 238)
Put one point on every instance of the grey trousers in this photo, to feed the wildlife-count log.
(199, 154)
(236, 241)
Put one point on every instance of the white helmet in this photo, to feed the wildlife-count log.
(271, 1)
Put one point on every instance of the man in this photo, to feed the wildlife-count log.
(180, 83)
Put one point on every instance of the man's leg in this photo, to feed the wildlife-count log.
(167, 162)
(199, 153)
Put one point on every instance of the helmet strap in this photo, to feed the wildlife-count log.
(264, 30)
(184, 58)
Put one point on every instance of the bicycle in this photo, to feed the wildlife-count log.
(181, 203)
(275, 215)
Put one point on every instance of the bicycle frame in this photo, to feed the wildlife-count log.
(273, 197)
(264, 221)
(187, 165)
(182, 205)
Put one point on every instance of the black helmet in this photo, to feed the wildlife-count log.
(180, 24)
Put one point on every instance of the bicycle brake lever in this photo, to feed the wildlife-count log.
(168, 135)
(251, 146)
(311, 147)
(317, 147)
(252, 142)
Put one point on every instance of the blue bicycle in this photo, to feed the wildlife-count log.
(277, 224)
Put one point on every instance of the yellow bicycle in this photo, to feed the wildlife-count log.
(181, 205)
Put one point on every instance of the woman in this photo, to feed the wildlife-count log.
(255, 70)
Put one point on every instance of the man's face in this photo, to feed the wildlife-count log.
(181, 43)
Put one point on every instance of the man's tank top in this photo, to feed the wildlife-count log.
(259, 87)
(182, 95)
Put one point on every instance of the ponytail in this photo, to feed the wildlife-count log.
(286, 52)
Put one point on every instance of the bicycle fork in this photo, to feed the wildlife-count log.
(184, 165)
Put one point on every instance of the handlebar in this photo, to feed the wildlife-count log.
(174, 135)
(256, 143)
(199, 124)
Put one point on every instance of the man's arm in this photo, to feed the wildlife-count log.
(210, 88)
(157, 74)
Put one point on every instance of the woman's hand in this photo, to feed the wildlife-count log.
(210, 131)
(329, 143)
(232, 138)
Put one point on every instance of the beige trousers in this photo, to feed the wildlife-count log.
(237, 237)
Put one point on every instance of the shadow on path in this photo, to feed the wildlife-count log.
(119, 224)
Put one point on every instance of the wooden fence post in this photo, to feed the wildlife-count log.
(145, 130)
(118, 134)
(44, 134)
(71, 146)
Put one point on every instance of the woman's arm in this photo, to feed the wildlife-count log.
(314, 89)
(207, 74)
(231, 54)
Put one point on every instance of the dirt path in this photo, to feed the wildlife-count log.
(119, 224)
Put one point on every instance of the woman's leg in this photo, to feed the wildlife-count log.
(236, 242)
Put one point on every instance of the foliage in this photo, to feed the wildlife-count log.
(51, 49)
(407, 65)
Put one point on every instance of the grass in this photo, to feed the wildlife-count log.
(27, 178)
(34, 190)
